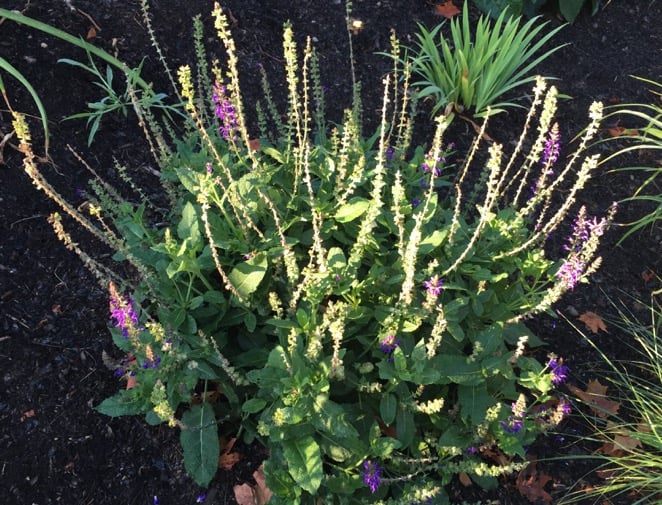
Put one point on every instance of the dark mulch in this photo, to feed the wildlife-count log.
(54, 448)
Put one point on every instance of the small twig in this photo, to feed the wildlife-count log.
(90, 19)
(36, 216)
(27, 6)
(2, 145)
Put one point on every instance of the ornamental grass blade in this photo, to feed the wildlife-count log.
(199, 440)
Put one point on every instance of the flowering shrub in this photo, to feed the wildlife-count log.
(357, 304)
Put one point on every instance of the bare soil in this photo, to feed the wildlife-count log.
(54, 447)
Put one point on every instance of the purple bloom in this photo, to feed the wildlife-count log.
(571, 271)
(209, 167)
(224, 111)
(564, 407)
(389, 344)
(430, 163)
(123, 312)
(550, 152)
(559, 370)
(389, 154)
(433, 286)
(513, 425)
(415, 202)
(372, 475)
(152, 363)
(201, 498)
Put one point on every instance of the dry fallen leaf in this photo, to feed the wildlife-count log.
(530, 484)
(619, 131)
(619, 440)
(648, 276)
(27, 414)
(595, 396)
(254, 144)
(260, 494)
(228, 459)
(446, 9)
(387, 431)
(464, 478)
(593, 322)
(131, 379)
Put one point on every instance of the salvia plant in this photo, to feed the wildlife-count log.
(473, 71)
(358, 304)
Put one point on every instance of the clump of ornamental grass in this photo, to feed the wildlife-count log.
(473, 71)
(356, 304)
(629, 457)
(649, 137)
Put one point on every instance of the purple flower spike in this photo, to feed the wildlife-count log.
(550, 152)
(559, 370)
(389, 344)
(372, 475)
(512, 426)
(433, 286)
(225, 111)
(123, 312)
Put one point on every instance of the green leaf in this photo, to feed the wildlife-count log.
(432, 241)
(343, 484)
(280, 482)
(189, 227)
(353, 209)
(331, 418)
(456, 370)
(246, 276)
(387, 408)
(122, 404)
(253, 405)
(250, 321)
(199, 441)
(304, 461)
(336, 258)
(404, 424)
(570, 8)
(486, 482)
(474, 401)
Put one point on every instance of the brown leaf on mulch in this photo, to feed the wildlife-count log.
(259, 494)
(446, 9)
(228, 458)
(595, 396)
(593, 322)
(531, 483)
(648, 275)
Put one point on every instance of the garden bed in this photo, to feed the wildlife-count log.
(54, 447)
